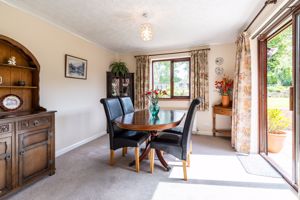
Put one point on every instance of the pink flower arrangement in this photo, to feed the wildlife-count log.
(224, 87)
(154, 95)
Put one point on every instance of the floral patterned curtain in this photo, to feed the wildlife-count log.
(199, 77)
(141, 82)
(241, 116)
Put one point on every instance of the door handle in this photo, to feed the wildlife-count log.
(291, 100)
(8, 156)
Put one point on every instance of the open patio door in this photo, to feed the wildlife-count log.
(296, 19)
(279, 94)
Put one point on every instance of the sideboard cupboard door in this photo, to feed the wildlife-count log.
(5, 165)
(34, 149)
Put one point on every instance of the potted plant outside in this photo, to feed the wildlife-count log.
(119, 68)
(224, 87)
(277, 122)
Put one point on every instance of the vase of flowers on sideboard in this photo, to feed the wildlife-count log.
(224, 88)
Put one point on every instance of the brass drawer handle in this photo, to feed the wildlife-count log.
(4, 128)
(36, 122)
(22, 152)
(26, 124)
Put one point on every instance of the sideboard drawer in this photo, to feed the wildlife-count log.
(34, 123)
(6, 128)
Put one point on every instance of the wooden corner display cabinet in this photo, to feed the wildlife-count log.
(27, 134)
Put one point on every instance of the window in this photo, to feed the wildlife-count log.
(172, 75)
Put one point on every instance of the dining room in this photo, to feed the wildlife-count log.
(140, 99)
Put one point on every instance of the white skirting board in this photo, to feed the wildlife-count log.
(78, 144)
(203, 132)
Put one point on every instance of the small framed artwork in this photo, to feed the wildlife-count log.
(11, 102)
(75, 67)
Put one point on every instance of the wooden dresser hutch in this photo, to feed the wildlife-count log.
(27, 135)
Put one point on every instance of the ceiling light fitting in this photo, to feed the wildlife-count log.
(146, 30)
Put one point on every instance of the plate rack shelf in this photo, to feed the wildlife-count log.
(26, 69)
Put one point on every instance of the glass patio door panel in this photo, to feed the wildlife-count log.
(279, 96)
(296, 19)
(280, 133)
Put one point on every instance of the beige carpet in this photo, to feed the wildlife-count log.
(215, 173)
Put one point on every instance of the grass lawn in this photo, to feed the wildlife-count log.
(278, 102)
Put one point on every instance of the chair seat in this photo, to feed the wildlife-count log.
(168, 139)
(127, 138)
(176, 130)
(169, 143)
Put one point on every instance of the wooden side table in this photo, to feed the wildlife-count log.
(227, 111)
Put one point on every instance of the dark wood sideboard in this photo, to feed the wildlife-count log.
(27, 133)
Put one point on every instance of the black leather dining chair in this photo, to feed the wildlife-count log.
(176, 144)
(127, 105)
(121, 138)
(179, 131)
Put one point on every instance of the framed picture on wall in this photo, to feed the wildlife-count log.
(75, 67)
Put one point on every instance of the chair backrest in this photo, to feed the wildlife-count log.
(188, 125)
(127, 105)
(113, 109)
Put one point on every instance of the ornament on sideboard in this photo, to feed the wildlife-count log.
(12, 61)
(21, 83)
(1, 80)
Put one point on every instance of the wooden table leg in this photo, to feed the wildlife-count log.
(158, 153)
(143, 155)
(162, 160)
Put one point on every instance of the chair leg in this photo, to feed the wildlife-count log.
(124, 151)
(188, 159)
(137, 159)
(191, 147)
(112, 154)
(184, 170)
(152, 160)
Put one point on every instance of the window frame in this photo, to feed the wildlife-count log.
(172, 61)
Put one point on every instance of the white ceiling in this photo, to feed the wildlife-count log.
(115, 24)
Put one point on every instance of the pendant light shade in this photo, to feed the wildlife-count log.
(146, 32)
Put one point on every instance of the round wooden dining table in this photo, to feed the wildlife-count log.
(143, 121)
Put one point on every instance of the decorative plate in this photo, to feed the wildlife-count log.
(219, 71)
(11, 102)
(219, 61)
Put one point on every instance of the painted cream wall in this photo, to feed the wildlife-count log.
(203, 119)
(80, 115)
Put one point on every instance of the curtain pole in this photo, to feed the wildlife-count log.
(160, 54)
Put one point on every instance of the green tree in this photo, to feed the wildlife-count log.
(280, 58)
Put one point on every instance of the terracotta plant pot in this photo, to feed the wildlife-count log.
(276, 141)
(225, 101)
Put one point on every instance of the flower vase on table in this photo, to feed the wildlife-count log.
(154, 108)
(153, 97)
(224, 88)
(225, 100)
